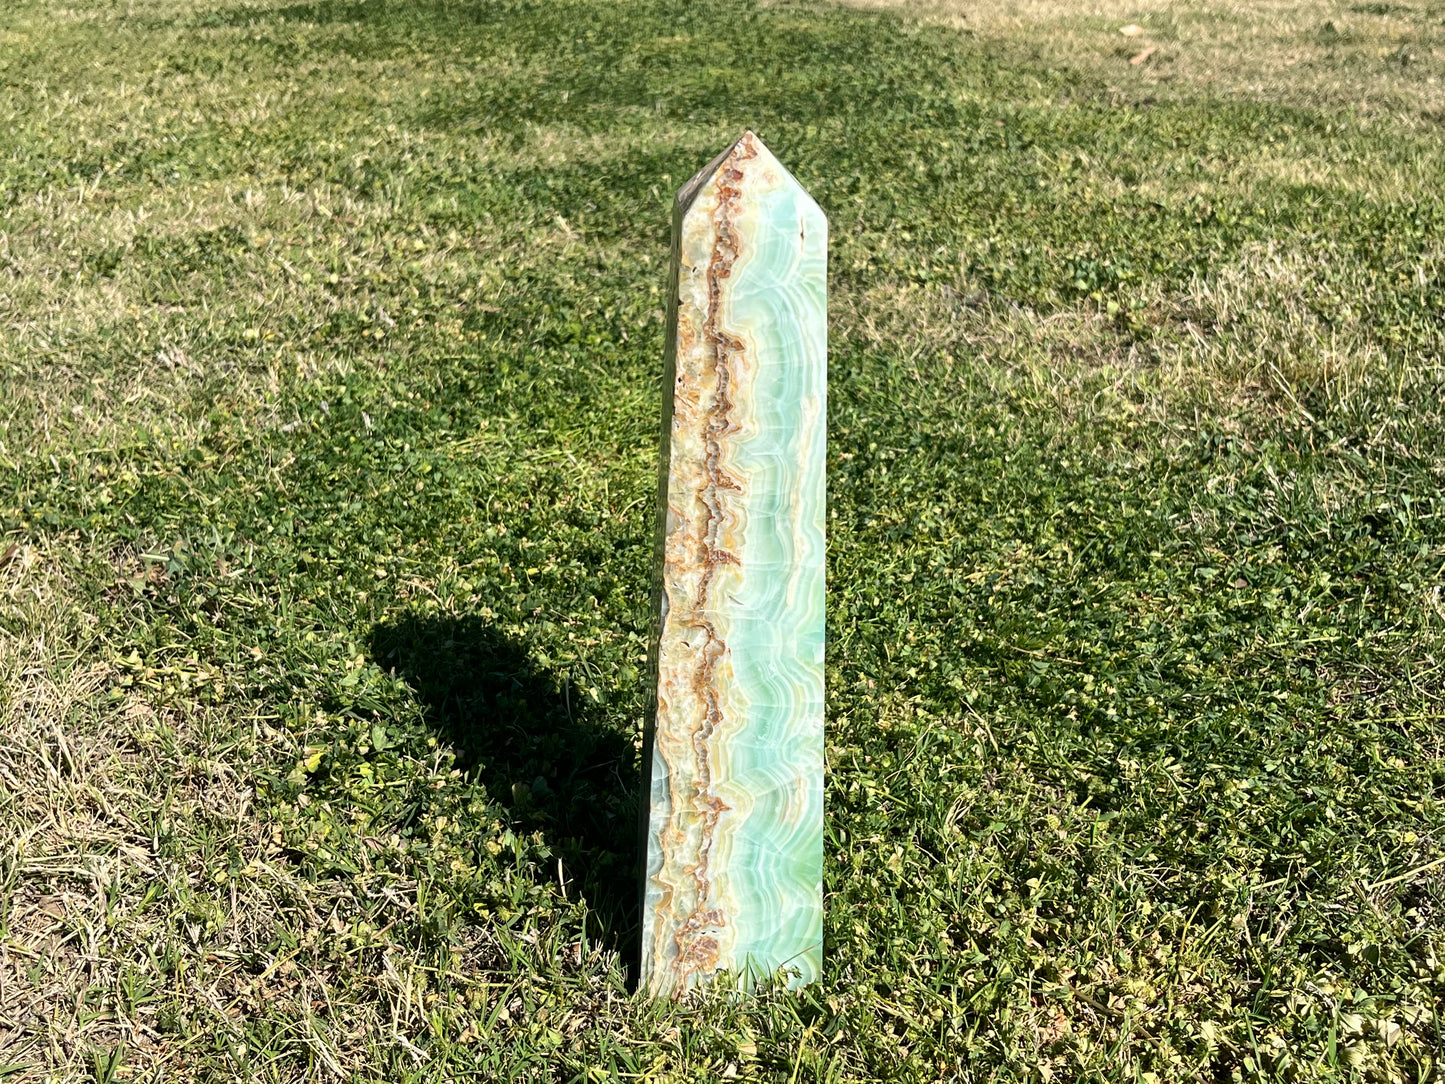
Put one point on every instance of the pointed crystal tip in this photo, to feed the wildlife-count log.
(748, 144)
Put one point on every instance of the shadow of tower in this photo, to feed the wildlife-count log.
(545, 754)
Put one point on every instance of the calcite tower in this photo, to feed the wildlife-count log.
(733, 752)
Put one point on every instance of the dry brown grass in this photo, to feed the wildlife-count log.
(1267, 330)
(133, 859)
(1377, 58)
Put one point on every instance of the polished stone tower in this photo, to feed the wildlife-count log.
(733, 753)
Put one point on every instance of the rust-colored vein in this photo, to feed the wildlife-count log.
(696, 948)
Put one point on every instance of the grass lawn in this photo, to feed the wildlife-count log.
(330, 339)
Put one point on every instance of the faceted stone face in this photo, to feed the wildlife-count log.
(734, 823)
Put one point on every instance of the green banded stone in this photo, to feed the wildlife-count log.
(734, 746)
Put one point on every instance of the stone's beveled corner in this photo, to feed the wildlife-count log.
(734, 748)
(748, 157)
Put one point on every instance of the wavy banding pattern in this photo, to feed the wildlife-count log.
(734, 823)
